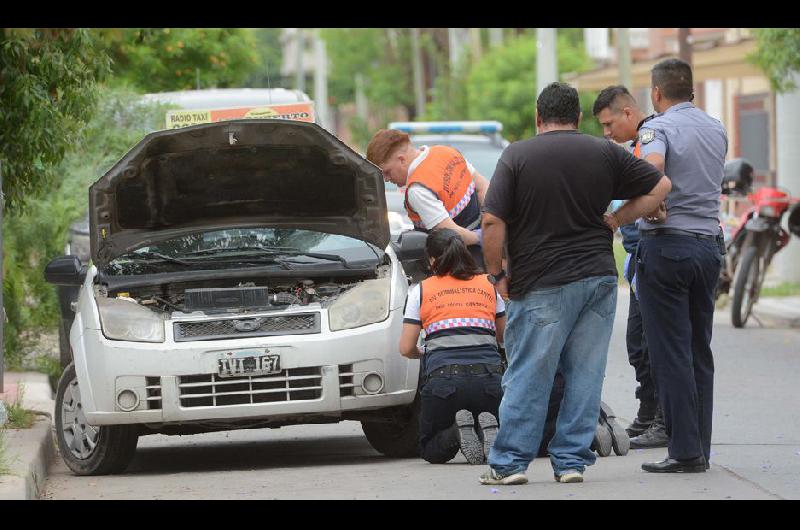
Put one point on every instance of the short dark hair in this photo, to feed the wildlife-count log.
(612, 97)
(559, 103)
(674, 78)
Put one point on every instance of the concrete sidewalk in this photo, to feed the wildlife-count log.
(29, 452)
(779, 310)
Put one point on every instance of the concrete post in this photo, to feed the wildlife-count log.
(299, 73)
(495, 37)
(419, 81)
(361, 98)
(787, 261)
(546, 58)
(321, 81)
(475, 45)
(624, 57)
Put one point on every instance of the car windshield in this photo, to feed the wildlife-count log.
(222, 248)
(482, 155)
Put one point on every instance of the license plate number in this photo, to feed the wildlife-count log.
(238, 364)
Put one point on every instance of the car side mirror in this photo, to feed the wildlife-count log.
(65, 270)
(411, 245)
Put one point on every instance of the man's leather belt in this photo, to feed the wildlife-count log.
(467, 369)
(675, 232)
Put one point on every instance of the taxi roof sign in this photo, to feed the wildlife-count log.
(301, 111)
(444, 127)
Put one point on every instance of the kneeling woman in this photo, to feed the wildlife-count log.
(463, 318)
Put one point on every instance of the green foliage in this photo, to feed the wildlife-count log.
(47, 93)
(267, 71)
(4, 465)
(778, 54)
(35, 236)
(18, 416)
(502, 86)
(165, 59)
(382, 56)
(783, 289)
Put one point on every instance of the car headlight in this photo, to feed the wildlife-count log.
(125, 320)
(364, 304)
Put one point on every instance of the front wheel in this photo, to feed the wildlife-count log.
(397, 439)
(745, 289)
(86, 449)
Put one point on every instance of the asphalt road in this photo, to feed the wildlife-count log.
(755, 450)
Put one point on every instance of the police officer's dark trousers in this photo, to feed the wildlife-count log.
(444, 395)
(639, 356)
(677, 276)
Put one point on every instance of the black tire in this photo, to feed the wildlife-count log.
(747, 269)
(116, 444)
(399, 439)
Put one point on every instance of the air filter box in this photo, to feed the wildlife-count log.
(211, 300)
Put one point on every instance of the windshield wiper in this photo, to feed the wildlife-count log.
(156, 255)
(271, 250)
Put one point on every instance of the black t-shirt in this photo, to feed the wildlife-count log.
(552, 191)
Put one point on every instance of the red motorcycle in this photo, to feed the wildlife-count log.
(755, 240)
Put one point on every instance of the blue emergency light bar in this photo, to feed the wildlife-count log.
(443, 127)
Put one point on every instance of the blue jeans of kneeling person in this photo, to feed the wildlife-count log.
(570, 326)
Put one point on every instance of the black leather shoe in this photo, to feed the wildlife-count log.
(670, 465)
(655, 436)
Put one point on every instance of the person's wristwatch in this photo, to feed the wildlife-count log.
(494, 278)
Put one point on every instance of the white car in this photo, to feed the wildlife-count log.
(242, 276)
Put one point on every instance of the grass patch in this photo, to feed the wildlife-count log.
(4, 467)
(18, 416)
(783, 289)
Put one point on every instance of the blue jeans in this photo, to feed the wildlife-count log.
(567, 326)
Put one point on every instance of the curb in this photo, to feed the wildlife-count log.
(29, 452)
(784, 312)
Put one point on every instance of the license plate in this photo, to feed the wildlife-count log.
(248, 363)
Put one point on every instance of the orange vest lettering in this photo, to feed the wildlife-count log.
(443, 171)
(447, 303)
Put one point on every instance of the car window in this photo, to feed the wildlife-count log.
(483, 156)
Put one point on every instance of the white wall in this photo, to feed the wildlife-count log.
(787, 261)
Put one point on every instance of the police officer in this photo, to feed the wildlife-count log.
(443, 189)
(621, 118)
(464, 319)
(678, 264)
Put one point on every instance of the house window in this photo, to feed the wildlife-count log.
(754, 131)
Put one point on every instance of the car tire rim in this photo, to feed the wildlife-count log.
(80, 438)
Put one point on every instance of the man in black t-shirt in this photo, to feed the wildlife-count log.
(546, 202)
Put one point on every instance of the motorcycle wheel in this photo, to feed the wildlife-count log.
(745, 287)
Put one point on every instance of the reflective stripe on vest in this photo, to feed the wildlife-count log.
(443, 171)
(458, 313)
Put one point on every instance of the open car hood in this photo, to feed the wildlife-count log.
(235, 174)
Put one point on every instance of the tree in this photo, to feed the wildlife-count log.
(164, 59)
(48, 81)
(267, 73)
(503, 85)
(778, 54)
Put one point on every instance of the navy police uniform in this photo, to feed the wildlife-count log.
(678, 265)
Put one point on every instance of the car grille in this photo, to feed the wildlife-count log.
(346, 385)
(153, 393)
(209, 390)
(295, 324)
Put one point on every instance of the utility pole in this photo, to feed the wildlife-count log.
(321, 80)
(419, 82)
(299, 73)
(684, 45)
(624, 57)
(546, 65)
(475, 44)
(787, 133)
(495, 37)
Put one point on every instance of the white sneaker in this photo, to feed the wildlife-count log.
(569, 476)
(493, 478)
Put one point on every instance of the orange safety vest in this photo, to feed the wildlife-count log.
(444, 171)
(637, 150)
(457, 313)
